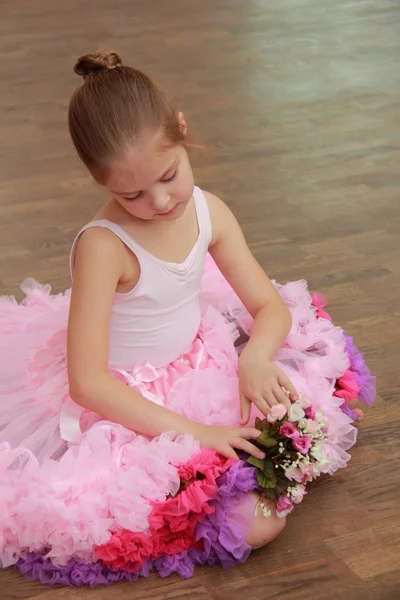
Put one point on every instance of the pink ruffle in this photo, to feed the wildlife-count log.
(108, 482)
(68, 496)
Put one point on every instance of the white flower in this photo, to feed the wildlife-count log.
(265, 510)
(295, 412)
(297, 493)
(302, 424)
(311, 426)
(320, 418)
(318, 451)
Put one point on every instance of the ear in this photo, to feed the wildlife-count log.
(182, 123)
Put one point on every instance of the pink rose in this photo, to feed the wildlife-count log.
(310, 413)
(298, 494)
(302, 443)
(294, 474)
(303, 401)
(289, 430)
(278, 411)
(284, 506)
(307, 472)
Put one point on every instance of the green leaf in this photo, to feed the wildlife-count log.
(269, 472)
(256, 462)
(266, 426)
(271, 494)
(275, 427)
(284, 479)
(281, 489)
(258, 424)
(266, 441)
(271, 484)
(264, 482)
(268, 468)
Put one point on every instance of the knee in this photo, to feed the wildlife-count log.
(265, 532)
(264, 528)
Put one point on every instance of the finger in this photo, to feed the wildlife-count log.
(246, 446)
(270, 398)
(285, 382)
(281, 397)
(229, 453)
(245, 409)
(262, 406)
(249, 433)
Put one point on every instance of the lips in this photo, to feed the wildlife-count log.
(170, 212)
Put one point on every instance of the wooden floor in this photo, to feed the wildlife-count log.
(297, 104)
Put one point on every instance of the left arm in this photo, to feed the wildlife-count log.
(261, 381)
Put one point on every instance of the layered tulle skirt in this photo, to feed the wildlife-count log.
(85, 501)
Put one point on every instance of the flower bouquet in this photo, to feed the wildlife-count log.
(293, 440)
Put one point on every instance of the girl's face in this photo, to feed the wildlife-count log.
(152, 181)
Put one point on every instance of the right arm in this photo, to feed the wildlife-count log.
(100, 263)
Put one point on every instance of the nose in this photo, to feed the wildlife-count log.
(160, 200)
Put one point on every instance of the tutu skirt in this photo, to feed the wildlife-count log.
(85, 501)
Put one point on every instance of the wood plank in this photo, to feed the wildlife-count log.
(296, 104)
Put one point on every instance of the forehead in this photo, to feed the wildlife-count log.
(140, 167)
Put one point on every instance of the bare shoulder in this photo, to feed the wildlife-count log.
(100, 260)
(98, 245)
(98, 239)
(221, 216)
(214, 203)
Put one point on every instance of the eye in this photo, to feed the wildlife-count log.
(139, 195)
(170, 178)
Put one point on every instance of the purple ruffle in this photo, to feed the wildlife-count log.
(74, 573)
(349, 412)
(366, 381)
(183, 564)
(222, 535)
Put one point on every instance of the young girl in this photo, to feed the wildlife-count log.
(124, 405)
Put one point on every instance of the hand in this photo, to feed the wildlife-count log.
(261, 383)
(225, 439)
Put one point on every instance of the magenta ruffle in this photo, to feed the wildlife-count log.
(222, 532)
(172, 523)
(357, 382)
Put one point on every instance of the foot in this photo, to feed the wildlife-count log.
(359, 413)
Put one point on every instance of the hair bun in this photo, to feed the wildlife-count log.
(98, 61)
